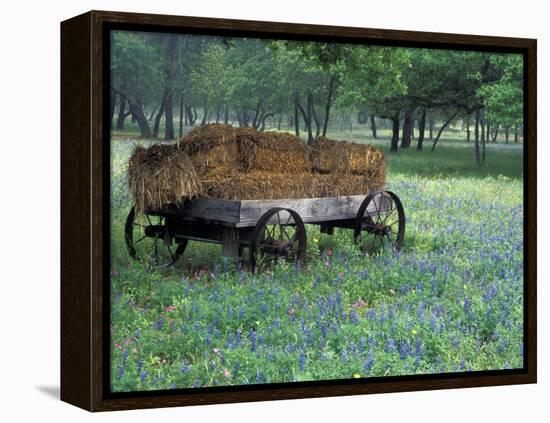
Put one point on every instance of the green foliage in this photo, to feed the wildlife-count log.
(259, 79)
(136, 66)
(250, 75)
(208, 79)
(503, 98)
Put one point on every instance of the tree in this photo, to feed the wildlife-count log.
(135, 74)
(170, 69)
(209, 79)
(503, 97)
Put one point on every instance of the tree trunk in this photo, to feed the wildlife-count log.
(280, 121)
(158, 117)
(495, 133)
(205, 115)
(180, 133)
(421, 130)
(431, 128)
(407, 129)
(264, 118)
(442, 129)
(507, 134)
(257, 115)
(307, 120)
(313, 115)
(476, 138)
(468, 128)
(373, 126)
(170, 72)
(484, 138)
(139, 115)
(113, 106)
(488, 132)
(226, 115)
(395, 133)
(121, 113)
(296, 118)
(329, 103)
(169, 116)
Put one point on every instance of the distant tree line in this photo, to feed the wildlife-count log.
(185, 80)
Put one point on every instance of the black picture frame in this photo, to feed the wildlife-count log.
(85, 211)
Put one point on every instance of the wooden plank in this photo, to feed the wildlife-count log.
(246, 213)
(213, 209)
(309, 209)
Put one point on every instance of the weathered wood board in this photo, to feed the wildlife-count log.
(246, 213)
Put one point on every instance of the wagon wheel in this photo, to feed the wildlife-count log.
(380, 221)
(279, 234)
(148, 240)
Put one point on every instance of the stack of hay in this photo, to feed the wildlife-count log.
(160, 175)
(219, 161)
(348, 158)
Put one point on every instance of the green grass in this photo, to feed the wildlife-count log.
(450, 302)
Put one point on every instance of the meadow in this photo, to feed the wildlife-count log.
(450, 301)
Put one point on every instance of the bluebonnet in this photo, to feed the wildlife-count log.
(252, 338)
(121, 370)
(302, 361)
(369, 363)
(353, 317)
(159, 323)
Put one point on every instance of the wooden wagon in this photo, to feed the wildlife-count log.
(269, 229)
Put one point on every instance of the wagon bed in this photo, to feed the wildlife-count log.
(239, 224)
(246, 213)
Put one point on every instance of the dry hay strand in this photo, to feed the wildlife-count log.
(261, 185)
(272, 151)
(161, 175)
(344, 157)
(210, 146)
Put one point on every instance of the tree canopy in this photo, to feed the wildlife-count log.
(251, 82)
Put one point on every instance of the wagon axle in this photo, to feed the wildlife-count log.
(280, 248)
(155, 231)
(377, 229)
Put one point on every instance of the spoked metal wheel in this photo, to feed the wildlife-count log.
(280, 234)
(148, 240)
(380, 222)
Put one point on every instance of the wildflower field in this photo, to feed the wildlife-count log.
(450, 301)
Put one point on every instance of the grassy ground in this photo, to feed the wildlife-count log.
(450, 301)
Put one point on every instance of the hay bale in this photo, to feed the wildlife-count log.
(220, 161)
(272, 152)
(161, 175)
(261, 185)
(331, 156)
(211, 146)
